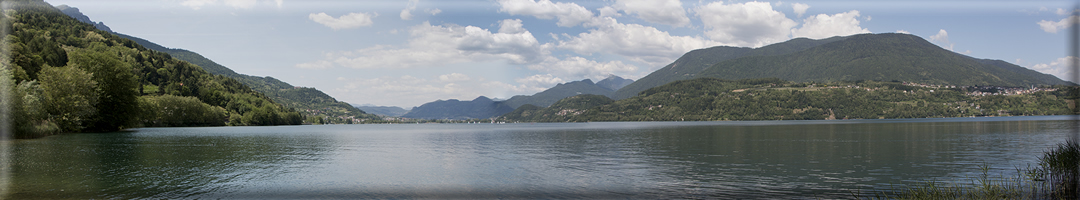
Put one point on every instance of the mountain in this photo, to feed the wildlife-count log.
(392, 111)
(560, 91)
(614, 83)
(884, 57)
(711, 99)
(310, 101)
(562, 111)
(693, 62)
(483, 107)
(880, 57)
(74, 12)
(69, 76)
(479, 108)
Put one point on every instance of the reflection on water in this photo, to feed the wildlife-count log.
(585, 160)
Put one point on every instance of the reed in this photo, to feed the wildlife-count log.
(1056, 176)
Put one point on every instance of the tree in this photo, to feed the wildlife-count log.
(70, 96)
(30, 119)
(117, 106)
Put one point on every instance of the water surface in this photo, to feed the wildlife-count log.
(760, 159)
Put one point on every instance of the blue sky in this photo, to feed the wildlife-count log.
(406, 53)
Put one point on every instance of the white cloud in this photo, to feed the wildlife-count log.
(347, 21)
(197, 4)
(800, 8)
(824, 26)
(639, 43)
(606, 35)
(245, 4)
(435, 11)
(322, 64)
(403, 91)
(942, 38)
(406, 13)
(668, 12)
(903, 31)
(1060, 67)
(454, 77)
(575, 68)
(408, 91)
(240, 4)
(511, 26)
(1062, 11)
(1053, 27)
(431, 46)
(540, 79)
(608, 11)
(750, 24)
(568, 14)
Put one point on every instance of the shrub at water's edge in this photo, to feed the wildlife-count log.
(1055, 177)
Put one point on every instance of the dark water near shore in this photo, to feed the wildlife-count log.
(773, 159)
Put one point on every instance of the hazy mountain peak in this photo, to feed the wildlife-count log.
(481, 99)
(614, 82)
(75, 13)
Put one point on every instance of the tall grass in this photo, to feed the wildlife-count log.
(1055, 177)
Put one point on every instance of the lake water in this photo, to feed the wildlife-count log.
(760, 159)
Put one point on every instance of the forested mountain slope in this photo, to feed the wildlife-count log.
(880, 57)
(67, 76)
(693, 62)
(310, 101)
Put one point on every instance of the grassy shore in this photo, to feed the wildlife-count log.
(1055, 177)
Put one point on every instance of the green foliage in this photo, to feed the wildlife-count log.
(30, 118)
(1059, 168)
(692, 63)
(1055, 177)
(169, 110)
(117, 106)
(710, 99)
(565, 110)
(71, 94)
(103, 76)
(879, 57)
(310, 101)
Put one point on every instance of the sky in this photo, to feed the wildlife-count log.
(406, 53)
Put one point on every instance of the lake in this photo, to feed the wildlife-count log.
(647, 160)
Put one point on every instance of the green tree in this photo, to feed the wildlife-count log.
(117, 86)
(70, 96)
(30, 120)
(169, 110)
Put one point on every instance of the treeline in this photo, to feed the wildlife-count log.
(68, 76)
(710, 99)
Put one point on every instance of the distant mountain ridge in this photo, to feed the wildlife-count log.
(487, 108)
(882, 57)
(614, 82)
(560, 91)
(74, 12)
(392, 111)
(479, 108)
